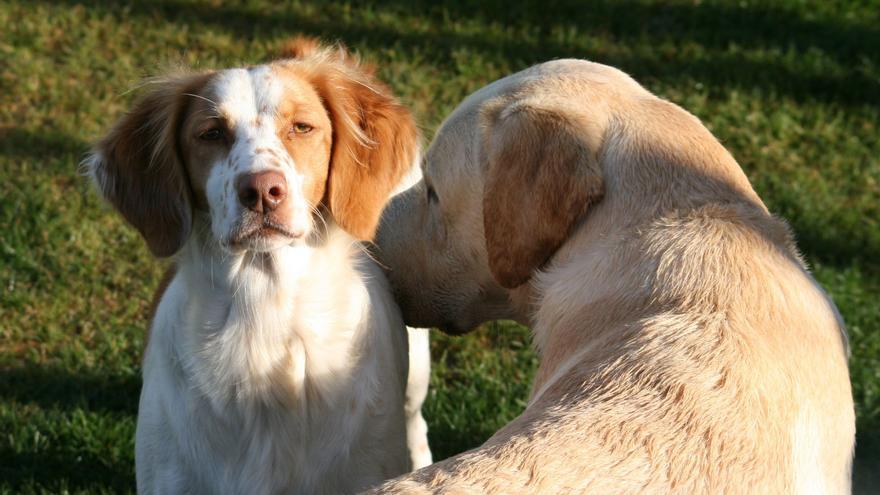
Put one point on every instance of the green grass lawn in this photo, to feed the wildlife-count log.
(792, 89)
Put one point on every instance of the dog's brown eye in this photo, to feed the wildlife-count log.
(301, 128)
(211, 135)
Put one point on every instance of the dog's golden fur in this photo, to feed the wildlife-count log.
(684, 346)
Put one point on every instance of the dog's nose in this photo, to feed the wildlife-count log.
(262, 191)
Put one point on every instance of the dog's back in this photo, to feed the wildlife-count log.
(710, 360)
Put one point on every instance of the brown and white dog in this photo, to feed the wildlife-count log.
(684, 346)
(277, 360)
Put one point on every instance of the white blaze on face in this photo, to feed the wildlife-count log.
(248, 99)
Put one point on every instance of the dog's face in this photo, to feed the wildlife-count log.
(505, 180)
(431, 241)
(256, 148)
(257, 154)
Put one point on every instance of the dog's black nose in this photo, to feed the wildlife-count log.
(262, 191)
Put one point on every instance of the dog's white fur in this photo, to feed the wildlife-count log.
(684, 346)
(274, 364)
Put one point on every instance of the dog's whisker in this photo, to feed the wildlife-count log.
(193, 95)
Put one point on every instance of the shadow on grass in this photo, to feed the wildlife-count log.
(59, 471)
(59, 466)
(716, 28)
(446, 440)
(839, 251)
(866, 468)
(62, 389)
(711, 25)
(17, 143)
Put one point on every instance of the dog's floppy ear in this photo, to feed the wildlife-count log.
(138, 169)
(542, 173)
(374, 145)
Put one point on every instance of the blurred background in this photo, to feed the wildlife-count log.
(791, 87)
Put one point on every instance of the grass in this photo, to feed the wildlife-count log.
(791, 87)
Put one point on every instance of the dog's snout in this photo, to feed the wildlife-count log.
(263, 191)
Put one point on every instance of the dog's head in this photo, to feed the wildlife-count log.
(507, 178)
(258, 153)
(543, 167)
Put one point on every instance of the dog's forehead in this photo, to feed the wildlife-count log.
(453, 159)
(243, 95)
(258, 94)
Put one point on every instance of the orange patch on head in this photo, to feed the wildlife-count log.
(374, 138)
(303, 126)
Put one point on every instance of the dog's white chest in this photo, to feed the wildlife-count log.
(275, 383)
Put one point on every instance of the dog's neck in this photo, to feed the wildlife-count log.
(252, 319)
(679, 263)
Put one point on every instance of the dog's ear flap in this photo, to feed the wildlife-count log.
(375, 142)
(542, 174)
(138, 169)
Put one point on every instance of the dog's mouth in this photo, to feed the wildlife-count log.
(261, 235)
